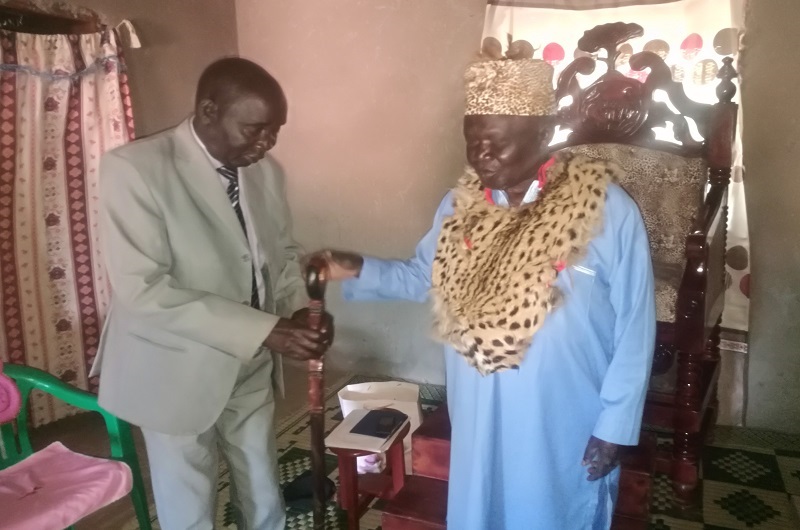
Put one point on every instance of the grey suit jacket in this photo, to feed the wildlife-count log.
(180, 324)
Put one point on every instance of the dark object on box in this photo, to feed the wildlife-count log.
(381, 423)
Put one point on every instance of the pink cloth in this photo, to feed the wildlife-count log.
(10, 398)
(55, 487)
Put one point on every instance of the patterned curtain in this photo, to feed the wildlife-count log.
(64, 101)
(692, 36)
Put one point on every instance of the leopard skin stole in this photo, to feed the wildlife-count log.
(494, 267)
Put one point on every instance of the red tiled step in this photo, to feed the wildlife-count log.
(620, 522)
(420, 505)
(430, 446)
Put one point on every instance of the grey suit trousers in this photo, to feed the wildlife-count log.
(184, 469)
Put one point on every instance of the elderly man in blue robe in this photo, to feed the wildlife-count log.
(542, 288)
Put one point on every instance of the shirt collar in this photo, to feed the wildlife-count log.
(500, 197)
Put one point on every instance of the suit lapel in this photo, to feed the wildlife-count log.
(254, 182)
(203, 181)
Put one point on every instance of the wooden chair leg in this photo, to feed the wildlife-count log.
(687, 439)
(685, 468)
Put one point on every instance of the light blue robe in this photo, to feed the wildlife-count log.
(518, 436)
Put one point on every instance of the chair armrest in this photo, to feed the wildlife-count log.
(707, 214)
(29, 378)
(705, 255)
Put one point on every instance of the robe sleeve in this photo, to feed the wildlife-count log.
(624, 388)
(400, 279)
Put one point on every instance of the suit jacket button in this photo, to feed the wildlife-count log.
(246, 302)
(245, 257)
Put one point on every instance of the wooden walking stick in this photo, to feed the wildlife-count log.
(316, 279)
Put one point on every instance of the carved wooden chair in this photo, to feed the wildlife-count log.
(681, 189)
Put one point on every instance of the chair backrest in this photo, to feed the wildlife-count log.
(669, 191)
(10, 397)
(680, 185)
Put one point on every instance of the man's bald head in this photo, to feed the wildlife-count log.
(225, 80)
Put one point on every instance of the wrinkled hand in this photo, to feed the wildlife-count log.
(601, 457)
(341, 265)
(292, 337)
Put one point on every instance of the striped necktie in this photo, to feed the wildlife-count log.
(231, 174)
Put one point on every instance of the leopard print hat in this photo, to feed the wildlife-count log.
(522, 87)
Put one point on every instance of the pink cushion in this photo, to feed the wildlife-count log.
(10, 398)
(55, 487)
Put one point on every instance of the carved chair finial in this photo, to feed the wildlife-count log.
(619, 107)
(608, 37)
(726, 89)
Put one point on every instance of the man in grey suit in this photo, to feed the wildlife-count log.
(207, 294)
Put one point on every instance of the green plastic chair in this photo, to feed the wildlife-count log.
(17, 444)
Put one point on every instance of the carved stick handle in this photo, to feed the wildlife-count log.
(315, 310)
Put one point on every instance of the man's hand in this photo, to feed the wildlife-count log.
(292, 337)
(601, 457)
(341, 265)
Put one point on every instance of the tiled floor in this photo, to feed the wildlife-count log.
(751, 478)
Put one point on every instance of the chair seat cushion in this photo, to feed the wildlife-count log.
(669, 190)
(56, 487)
(667, 281)
(666, 297)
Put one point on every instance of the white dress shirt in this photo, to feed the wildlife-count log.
(500, 197)
(256, 250)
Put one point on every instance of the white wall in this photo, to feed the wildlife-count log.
(770, 79)
(372, 143)
(179, 39)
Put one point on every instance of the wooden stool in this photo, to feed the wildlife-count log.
(357, 491)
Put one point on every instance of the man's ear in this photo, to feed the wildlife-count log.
(207, 111)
